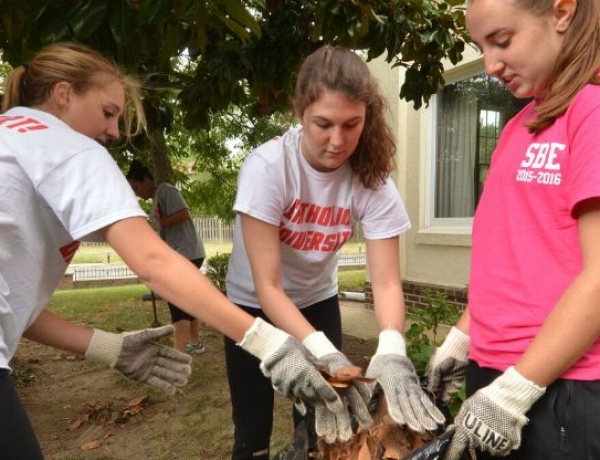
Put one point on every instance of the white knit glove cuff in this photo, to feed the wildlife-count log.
(319, 345)
(456, 344)
(263, 339)
(104, 347)
(391, 342)
(513, 392)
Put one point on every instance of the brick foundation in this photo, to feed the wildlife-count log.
(413, 294)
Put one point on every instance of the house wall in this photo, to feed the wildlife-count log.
(430, 257)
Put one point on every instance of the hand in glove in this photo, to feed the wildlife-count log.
(283, 360)
(491, 420)
(357, 396)
(138, 356)
(446, 368)
(407, 403)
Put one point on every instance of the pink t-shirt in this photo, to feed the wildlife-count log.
(525, 241)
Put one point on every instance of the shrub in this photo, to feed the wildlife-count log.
(422, 337)
(216, 269)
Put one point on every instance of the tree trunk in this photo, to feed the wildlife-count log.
(161, 164)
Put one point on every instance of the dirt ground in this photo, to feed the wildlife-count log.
(83, 411)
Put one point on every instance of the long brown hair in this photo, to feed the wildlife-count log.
(31, 84)
(338, 69)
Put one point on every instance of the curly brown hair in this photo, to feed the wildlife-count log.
(31, 84)
(338, 69)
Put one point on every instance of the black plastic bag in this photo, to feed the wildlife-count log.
(435, 449)
(297, 449)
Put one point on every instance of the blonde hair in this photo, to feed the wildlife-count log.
(338, 69)
(31, 84)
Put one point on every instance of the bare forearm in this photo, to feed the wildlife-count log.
(384, 266)
(186, 287)
(568, 332)
(283, 313)
(175, 278)
(464, 321)
(176, 218)
(390, 309)
(52, 330)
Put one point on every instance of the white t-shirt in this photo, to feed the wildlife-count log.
(316, 213)
(56, 187)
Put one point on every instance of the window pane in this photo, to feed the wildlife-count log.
(471, 115)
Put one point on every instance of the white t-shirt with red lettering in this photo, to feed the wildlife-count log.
(526, 249)
(316, 212)
(57, 187)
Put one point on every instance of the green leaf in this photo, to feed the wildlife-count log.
(238, 30)
(121, 24)
(154, 11)
(86, 17)
(239, 14)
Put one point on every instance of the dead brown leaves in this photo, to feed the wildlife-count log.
(385, 440)
(105, 414)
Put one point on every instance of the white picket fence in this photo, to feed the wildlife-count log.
(119, 271)
(214, 230)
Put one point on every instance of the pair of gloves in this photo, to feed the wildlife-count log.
(490, 420)
(294, 374)
(140, 357)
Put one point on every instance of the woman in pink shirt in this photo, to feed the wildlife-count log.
(529, 339)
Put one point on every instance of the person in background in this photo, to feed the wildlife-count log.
(59, 186)
(529, 340)
(172, 216)
(299, 199)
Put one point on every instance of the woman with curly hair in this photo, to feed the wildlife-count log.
(300, 197)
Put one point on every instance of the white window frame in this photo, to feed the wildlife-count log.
(434, 227)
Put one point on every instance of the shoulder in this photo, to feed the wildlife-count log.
(165, 186)
(44, 145)
(36, 127)
(277, 149)
(168, 191)
(586, 101)
(583, 111)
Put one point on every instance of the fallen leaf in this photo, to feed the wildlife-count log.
(91, 445)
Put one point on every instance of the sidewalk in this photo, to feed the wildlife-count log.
(358, 321)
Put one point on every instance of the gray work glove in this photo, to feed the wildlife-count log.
(283, 360)
(446, 368)
(407, 403)
(138, 356)
(357, 396)
(491, 420)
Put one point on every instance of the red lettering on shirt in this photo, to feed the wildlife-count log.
(158, 212)
(69, 250)
(311, 240)
(328, 217)
(20, 123)
(311, 213)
